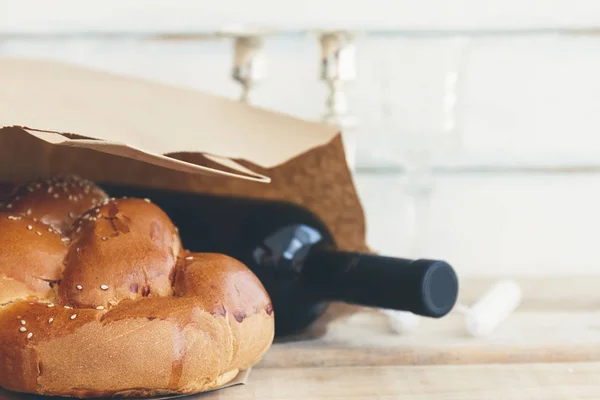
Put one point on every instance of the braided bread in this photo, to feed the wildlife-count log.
(97, 298)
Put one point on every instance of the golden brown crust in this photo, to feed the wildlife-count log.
(129, 315)
(139, 240)
(239, 296)
(31, 257)
(56, 202)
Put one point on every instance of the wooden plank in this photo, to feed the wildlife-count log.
(366, 339)
(523, 381)
(349, 357)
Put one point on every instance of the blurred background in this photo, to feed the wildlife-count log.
(472, 126)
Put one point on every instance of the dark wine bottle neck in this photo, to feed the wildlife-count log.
(424, 287)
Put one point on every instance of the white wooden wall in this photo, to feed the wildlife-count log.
(136, 15)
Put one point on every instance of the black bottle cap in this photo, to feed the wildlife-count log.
(438, 287)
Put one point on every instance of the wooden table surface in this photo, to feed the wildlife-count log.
(548, 349)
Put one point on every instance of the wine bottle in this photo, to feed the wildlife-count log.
(294, 255)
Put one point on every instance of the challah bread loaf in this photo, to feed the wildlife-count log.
(112, 306)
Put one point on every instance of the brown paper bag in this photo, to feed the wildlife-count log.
(129, 131)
